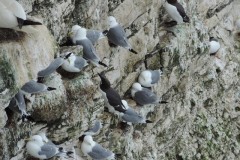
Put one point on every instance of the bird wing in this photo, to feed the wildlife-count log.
(117, 36)
(132, 116)
(89, 52)
(20, 102)
(114, 100)
(155, 76)
(79, 62)
(51, 68)
(95, 128)
(98, 152)
(181, 10)
(15, 8)
(33, 87)
(145, 97)
(48, 150)
(93, 35)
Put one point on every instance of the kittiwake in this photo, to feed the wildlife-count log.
(74, 63)
(95, 129)
(176, 12)
(130, 116)
(148, 78)
(32, 87)
(117, 35)
(78, 36)
(214, 46)
(57, 62)
(93, 149)
(110, 95)
(38, 149)
(13, 15)
(144, 96)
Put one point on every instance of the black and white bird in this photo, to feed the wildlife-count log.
(110, 95)
(117, 35)
(130, 116)
(37, 148)
(93, 149)
(78, 36)
(33, 87)
(214, 46)
(12, 15)
(52, 67)
(74, 63)
(144, 96)
(148, 78)
(176, 12)
(95, 129)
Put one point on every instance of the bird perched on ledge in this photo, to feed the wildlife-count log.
(214, 46)
(176, 12)
(13, 15)
(116, 35)
(148, 78)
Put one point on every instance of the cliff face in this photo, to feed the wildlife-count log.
(201, 120)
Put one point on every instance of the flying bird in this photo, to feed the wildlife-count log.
(176, 12)
(13, 15)
(78, 36)
(148, 78)
(74, 63)
(117, 35)
(110, 95)
(93, 149)
(37, 148)
(144, 96)
(57, 62)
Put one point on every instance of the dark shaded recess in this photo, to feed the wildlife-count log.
(10, 35)
(212, 12)
(113, 4)
(208, 103)
(179, 157)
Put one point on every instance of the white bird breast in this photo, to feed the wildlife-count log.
(173, 12)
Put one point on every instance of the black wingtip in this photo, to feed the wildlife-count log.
(30, 22)
(133, 51)
(148, 121)
(105, 32)
(186, 19)
(163, 102)
(103, 64)
(51, 88)
(171, 23)
(40, 79)
(212, 54)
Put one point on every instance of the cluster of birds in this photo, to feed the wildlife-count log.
(13, 16)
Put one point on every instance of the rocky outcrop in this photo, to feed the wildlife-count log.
(201, 120)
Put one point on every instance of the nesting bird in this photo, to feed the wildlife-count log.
(79, 37)
(144, 96)
(74, 63)
(93, 149)
(117, 35)
(110, 95)
(33, 87)
(176, 11)
(148, 78)
(57, 62)
(13, 15)
(130, 116)
(37, 148)
(214, 46)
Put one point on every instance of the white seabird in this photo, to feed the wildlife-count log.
(32, 87)
(144, 96)
(74, 63)
(93, 149)
(38, 149)
(78, 36)
(13, 15)
(148, 78)
(116, 35)
(130, 116)
(176, 11)
(95, 129)
(214, 46)
(57, 62)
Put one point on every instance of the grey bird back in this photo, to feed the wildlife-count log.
(117, 36)
(98, 152)
(48, 150)
(155, 76)
(33, 87)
